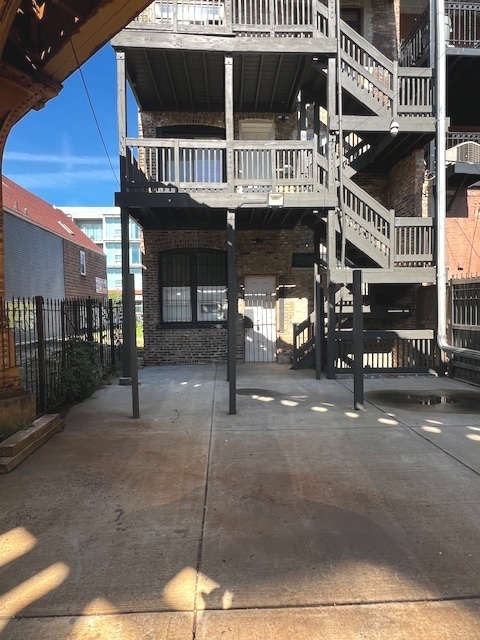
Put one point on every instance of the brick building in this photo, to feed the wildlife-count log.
(46, 254)
(245, 133)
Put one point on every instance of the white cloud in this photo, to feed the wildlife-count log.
(65, 159)
(60, 178)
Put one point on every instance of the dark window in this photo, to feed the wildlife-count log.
(353, 17)
(193, 286)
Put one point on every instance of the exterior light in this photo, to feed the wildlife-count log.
(394, 127)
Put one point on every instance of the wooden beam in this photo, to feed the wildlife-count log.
(187, 78)
(259, 82)
(242, 71)
(377, 124)
(152, 78)
(292, 96)
(137, 36)
(169, 74)
(277, 74)
(205, 77)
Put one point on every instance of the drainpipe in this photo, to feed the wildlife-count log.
(341, 203)
(441, 181)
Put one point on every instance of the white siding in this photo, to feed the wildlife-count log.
(33, 260)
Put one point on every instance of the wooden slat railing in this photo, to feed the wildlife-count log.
(464, 32)
(414, 242)
(414, 49)
(200, 165)
(369, 225)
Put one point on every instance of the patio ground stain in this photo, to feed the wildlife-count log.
(443, 401)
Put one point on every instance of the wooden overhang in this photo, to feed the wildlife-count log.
(185, 72)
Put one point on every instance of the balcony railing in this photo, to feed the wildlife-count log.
(414, 242)
(292, 18)
(190, 166)
(463, 20)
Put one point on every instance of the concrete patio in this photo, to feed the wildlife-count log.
(296, 518)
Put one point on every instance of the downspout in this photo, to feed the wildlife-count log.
(341, 202)
(441, 181)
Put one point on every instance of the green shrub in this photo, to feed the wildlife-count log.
(81, 375)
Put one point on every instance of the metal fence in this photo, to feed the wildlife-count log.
(43, 333)
(465, 327)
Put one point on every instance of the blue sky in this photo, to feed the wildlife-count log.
(57, 152)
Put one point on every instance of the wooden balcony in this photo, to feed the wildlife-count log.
(216, 176)
(265, 18)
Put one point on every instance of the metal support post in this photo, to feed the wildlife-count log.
(133, 345)
(126, 332)
(358, 402)
(232, 313)
(331, 333)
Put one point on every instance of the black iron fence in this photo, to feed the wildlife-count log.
(62, 347)
(465, 327)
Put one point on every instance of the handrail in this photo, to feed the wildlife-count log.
(464, 32)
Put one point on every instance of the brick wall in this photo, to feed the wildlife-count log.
(76, 285)
(258, 253)
(407, 185)
(149, 121)
(385, 26)
(463, 234)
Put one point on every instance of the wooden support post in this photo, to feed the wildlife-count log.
(302, 123)
(232, 313)
(229, 124)
(332, 124)
(358, 402)
(122, 117)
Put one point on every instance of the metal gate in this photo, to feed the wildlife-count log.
(260, 319)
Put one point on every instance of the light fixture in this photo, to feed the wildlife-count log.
(394, 127)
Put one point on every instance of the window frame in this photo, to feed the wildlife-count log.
(83, 263)
(193, 287)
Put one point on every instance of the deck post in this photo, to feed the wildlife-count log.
(232, 313)
(229, 125)
(358, 402)
(318, 304)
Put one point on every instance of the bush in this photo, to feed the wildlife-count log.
(81, 375)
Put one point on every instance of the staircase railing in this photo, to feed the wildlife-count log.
(304, 341)
(283, 166)
(368, 224)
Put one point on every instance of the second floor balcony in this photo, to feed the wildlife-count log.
(289, 18)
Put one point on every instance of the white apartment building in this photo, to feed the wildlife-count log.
(102, 225)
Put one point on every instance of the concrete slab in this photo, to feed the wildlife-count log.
(414, 414)
(171, 524)
(114, 506)
(418, 621)
(337, 516)
(156, 626)
(276, 397)
(461, 442)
